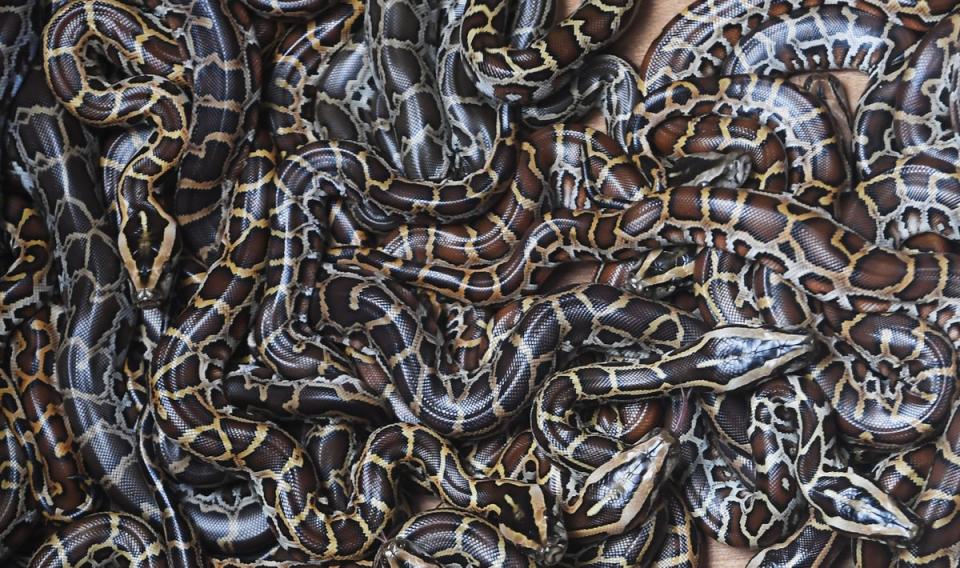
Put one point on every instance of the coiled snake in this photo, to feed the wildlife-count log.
(278, 270)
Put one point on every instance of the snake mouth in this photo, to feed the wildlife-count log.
(147, 298)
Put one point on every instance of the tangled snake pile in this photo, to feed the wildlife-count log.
(339, 283)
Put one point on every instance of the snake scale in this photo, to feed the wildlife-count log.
(450, 283)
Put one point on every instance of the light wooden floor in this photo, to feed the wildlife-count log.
(651, 20)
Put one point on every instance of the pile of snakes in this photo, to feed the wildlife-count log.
(449, 283)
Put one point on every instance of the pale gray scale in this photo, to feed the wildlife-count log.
(818, 38)
(721, 481)
(475, 124)
(344, 94)
(829, 38)
(841, 497)
(697, 42)
(799, 120)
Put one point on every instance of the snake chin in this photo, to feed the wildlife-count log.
(554, 549)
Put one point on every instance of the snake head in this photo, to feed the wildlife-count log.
(728, 358)
(617, 496)
(147, 242)
(527, 516)
(663, 271)
(854, 505)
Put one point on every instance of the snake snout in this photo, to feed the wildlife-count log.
(797, 348)
(903, 529)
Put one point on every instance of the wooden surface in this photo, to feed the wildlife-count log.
(651, 20)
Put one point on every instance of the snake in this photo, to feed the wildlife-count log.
(901, 474)
(24, 284)
(114, 537)
(288, 93)
(517, 456)
(224, 65)
(618, 491)
(834, 38)
(798, 548)
(802, 164)
(732, 358)
(723, 301)
(513, 364)
(874, 409)
(340, 535)
(32, 405)
(520, 74)
(819, 256)
(365, 318)
(444, 537)
(824, 173)
(817, 481)
(763, 502)
(179, 540)
(35, 411)
(407, 96)
(475, 306)
(296, 9)
(280, 344)
(54, 152)
(148, 230)
(207, 515)
(913, 197)
(296, 64)
(921, 93)
(18, 46)
(814, 544)
(213, 136)
(222, 301)
(178, 353)
(695, 43)
(17, 513)
(563, 156)
(853, 391)
(607, 83)
(698, 39)
(937, 545)
(578, 448)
